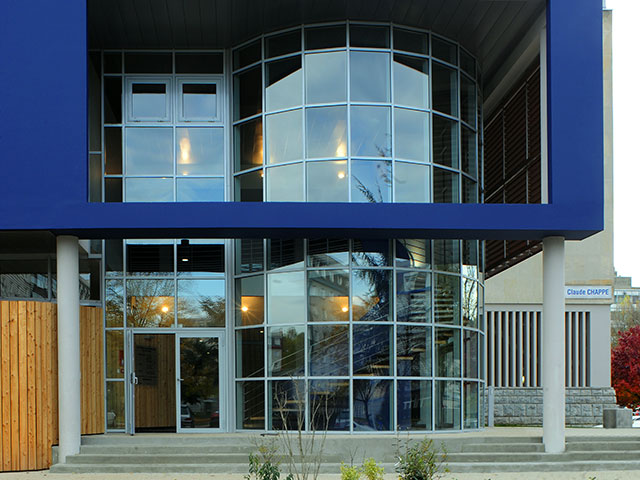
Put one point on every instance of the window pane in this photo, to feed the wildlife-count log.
(149, 257)
(369, 77)
(370, 131)
(287, 400)
(285, 184)
(247, 92)
(469, 152)
(286, 351)
(325, 37)
(328, 350)
(470, 405)
(284, 137)
(249, 187)
(113, 151)
(328, 295)
(285, 253)
(369, 36)
(445, 141)
(447, 299)
(115, 405)
(326, 132)
(284, 83)
(413, 354)
(372, 405)
(149, 101)
(247, 55)
(327, 252)
(371, 290)
(410, 81)
(447, 352)
(200, 257)
(249, 255)
(414, 297)
(371, 181)
(150, 303)
(286, 298)
(372, 349)
(112, 100)
(330, 400)
(250, 405)
(412, 183)
(469, 191)
(250, 353)
(115, 353)
(413, 253)
(250, 300)
(113, 189)
(446, 255)
(470, 260)
(326, 77)
(112, 62)
(113, 261)
(199, 63)
(371, 253)
(445, 186)
(447, 398)
(114, 303)
(327, 182)
(148, 63)
(149, 189)
(248, 145)
(444, 50)
(409, 41)
(468, 100)
(149, 151)
(469, 303)
(201, 303)
(467, 63)
(199, 101)
(414, 405)
(282, 44)
(412, 134)
(200, 190)
(445, 89)
(470, 353)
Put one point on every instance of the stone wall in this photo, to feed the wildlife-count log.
(523, 406)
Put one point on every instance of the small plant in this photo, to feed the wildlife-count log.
(421, 461)
(349, 472)
(265, 465)
(371, 470)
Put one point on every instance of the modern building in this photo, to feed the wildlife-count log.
(280, 208)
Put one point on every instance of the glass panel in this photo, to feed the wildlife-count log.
(282, 44)
(287, 401)
(284, 137)
(470, 260)
(199, 63)
(89, 279)
(469, 303)
(112, 100)
(202, 258)
(447, 398)
(247, 55)
(250, 300)
(444, 50)
(250, 405)
(470, 354)
(201, 303)
(413, 297)
(285, 184)
(112, 62)
(327, 252)
(325, 37)
(329, 350)
(249, 187)
(200, 385)
(200, 190)
(469, 152)
(150, 257)
(149, 101)
(369, 36)
(114, 303)
(412, 183)
(413, 253)
(328, 295)
(410, 81)
(371, 181)
(470, 405)
(414, 405)
(372, 405)
(247, 91)
(286, 351)
(113, 189)
(250, 353)
(444, 89)
(372, 349)
(329, 401)
(327, 182)
(371, 131)
(469, 191)
(411, 129)
(326, 77)
(446, 255)
(445, 186)
(369, 77)
(413, 353)
(445, 141)
(113, 262)
(249, 255)
(115, 405)
(285, 253)
(286, 298)
(149, 151)
(24, 279)
(94, 102)
(149, 190)
(113, 151)
(248, 145)
(150, 303)
(467, 63)
(284, 83)
(468, 100)
(371, 253)
(199, 101)
(447, 356)
(148, 62)
(115, 353)
(326, 132)
(447, 299)
(410, 41)
(95, 177)
(371, 292)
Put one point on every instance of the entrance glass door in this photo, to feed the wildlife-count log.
(199, 377)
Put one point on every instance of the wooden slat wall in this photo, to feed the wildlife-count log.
(29, 381)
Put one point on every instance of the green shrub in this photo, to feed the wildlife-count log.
(349, 472)
(371, 470)
(264, 465)
(421, 461)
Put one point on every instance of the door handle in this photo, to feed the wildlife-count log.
(134, 379)
(180, 379)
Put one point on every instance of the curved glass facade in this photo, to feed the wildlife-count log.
(355, 113)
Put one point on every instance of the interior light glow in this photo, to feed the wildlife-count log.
(345, 309)
(341, 151)
(185, 150)
(164, 309)
(245, 308)
(185, 259)
(340, 175)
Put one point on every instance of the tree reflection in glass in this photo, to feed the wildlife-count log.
(150, 303)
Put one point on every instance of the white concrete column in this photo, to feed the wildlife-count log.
(68, 347)
(553, 345)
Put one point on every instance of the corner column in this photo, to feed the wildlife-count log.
(68, 347)
(553, 345)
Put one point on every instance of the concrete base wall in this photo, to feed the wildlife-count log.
(523, 406)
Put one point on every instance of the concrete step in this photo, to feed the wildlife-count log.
(166, 449)
(509, 457)
(502, 447)
(585, 466)
(629, 445)
(185, 459)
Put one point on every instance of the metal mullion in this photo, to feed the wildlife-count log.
(348, 69)
(263, 113)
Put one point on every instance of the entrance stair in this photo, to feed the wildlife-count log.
(482, 452)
